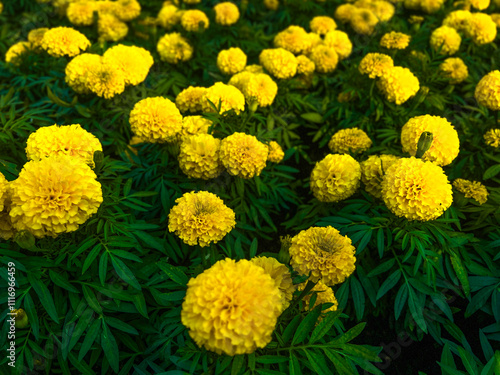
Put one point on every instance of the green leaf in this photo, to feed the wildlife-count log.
(125, 273)
(361, 352)
(62, 282)
(339, 362)
(122, 326)
(461, 273)
(468, 361)
(306, 326)
(91, 257)
(380, 242)
(149, 240)
(140, 304)
(174, 273)
(324, 326)
(387, 265)
(44, 296)
(491, 172)
(110, 348)
(89, 339)
(30, 309)
(80, 327)
(253, 248)
(358, 297)
(103, 268)
(351, 334)
(294, 365)
(389, 283)
(312, 117)
(318, 363)
(270, 359)
(291, 328)
(238, 364)
(91, 299)
(416, 309)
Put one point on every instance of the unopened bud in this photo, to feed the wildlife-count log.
(21, 318)
(98, 158)
(284, 254)
(424, 143)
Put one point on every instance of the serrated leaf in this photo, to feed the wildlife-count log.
(317, 362)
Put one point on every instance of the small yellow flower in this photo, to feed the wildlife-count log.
(325, 58)
(35, 37)
(111, 28)
(199, 156)
(363, 21)
(395, 40)
(481, 28)
(192, 125)
(340, 42)
(81, 13)
(375, 64)
(305, 65)
(64, 41)
(454, 69)
(487, 91)
(226, 14)
(174, 48)
(492, 138)
(13, 54)
(279, 62)
(322, 24)
(231, 61)
(169, 16)
(260, 88)
(458, 19)
(479, 4)
(191, 99)
(194, 20)
(398, 84)
(276, 153)
(446, 40)
(229, 98)
(344, 12)
(104, 79)
(243, 155)
(349, 140)
(134, 62)
(127, 10)
(4, 191)
(472, 189)
(271, 4)
(294, 39)
(373, 170)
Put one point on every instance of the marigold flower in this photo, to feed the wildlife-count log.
(340, 42)
(416, 189)
(349, 140)
(111, 28)
(481, 28)
(243, 155)
(4, 187)
(54, 195)
(492, 138)
(231, 61)
(395, 40)
(487, 91)
(81, 13)
(458, 19)
(64, 41)
(77, 69)
(479, 4)
(398, 84)
(35, 37)
(335, 178)
(363, 21)
(127, 10)
(156, 120)
(472, 189)
(324, 253)
(375, 64)
(134, 62)
(382, 9)
(232, 307)
(305, 65)
(192, 2)
(226, 14)
(325, 58)
(279, 62)
(13, 54)
(276, 153)
(200, 218)
(194, 20)
(260, 88)
(322, 24)
(199, 156)
(496, 18)
(344, 12)
(414, 19)
(169, 16)
(174, 48)
(446, 40)
(229, 97)
(104, 79)
(7, 231)
(372, 172)
(324, 294)
(454, 69)
(294, 39)
(191, 99)
(254, 69)
(240, 80)
(271, 4)
(431, 6)
(192, 125)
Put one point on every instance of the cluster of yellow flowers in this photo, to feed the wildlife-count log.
(472, 189)
(480, 27)
(256, 86)
(364, 15)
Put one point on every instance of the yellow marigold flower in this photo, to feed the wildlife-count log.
(111, 28)
(271, 4)
(243, 155)
(254, 69)
(156, 120)
(383, 10)
(191, 99)
(446, 40)
(81, 13)
(194, 20)
(492, 138)
(472, 189)
(280, 275)
(325, 58)
(7, 231)
(229, 97)
(398, 84)
(35, 37)
(106, 6)
(349, 140)
(479, 4)
(174, 48)
(192, 2)
(134, 62)
(294, 39)
(279, 62)
(340, 42)
(4, 187)
(324, 253)
(200, 218)
(232, 307)
(416, 189)
(276, 153)
(344, 12)
(127, 10)
(373, 170)
(231, 61)
(335, 178)
(70, 140)
(395, 40)
(169, 16)
(64, 41)
(324, 295)
(77, 69)
(414, 19)
(454, 69)
(322, 24)
(375, 64)
(458, 19)
(363, 21)
(240, 80)
(13, 54)
(496, 18)
(260, 88)
(192, 125)
(314, 40)
(488, 91)
(305, 65)
(445, 144)
(54, 195)
(481, 28)
(199, 156)
(226, 14)
(431, 6)
(105, 80)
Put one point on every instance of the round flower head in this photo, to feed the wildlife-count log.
(294, 39)
(373, 170)
(4, 187)
(191, 99)
(280, 275)
(199, 156)
(271, 4)
(416, 189)
(340, 42)
(156, 120)
(232, 307)
(344, 12)
(382, 9)
(481, 28)
(174, 48)
(13, 54)
(231, 61)
(349, 140)
(229, 98)
(194, 20)
(492, 138)
(192, 125)
(496, 18)
(395, 40)
(134, 62)
(335, 178)
(458, 19)
(472, 189)
(398, 84)
(454, 69)
(431, 6)
(487, 91)
(70, 140)
(279, 62)
(375, 64)
(104, 80)
(64, 41)
(314, 40)
(200, 218)
(322, 24)
(81, 13)
(445, 144)
(480, 4)
(54, 195)
(111, 28)
(226, 14)
(305, 65)
(446, 40)
(323, 253)
(127, 10)
(35, 37)
(276, 153)
(261, 88)
(169, 16)
(77, 69)
(363, 21)
(324, 294)
(240, 80)
(325, 58)
(243, 155)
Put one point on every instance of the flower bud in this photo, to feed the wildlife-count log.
(424, 143)
(21, 318)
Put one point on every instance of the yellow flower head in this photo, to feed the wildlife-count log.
(192, 125)
(194, 20)
(414, 19)
(324, 253)
(174, 48)
(350, 140)
(111, 28)
(431, 6)
(254, 69)
(169, 16)
(240, 80)
(64, 41)
(363, 21)
(398, 84)
(458, 19)
(229, 97)
(446, 40)
(81, 13)
(134, 62)
(382, 9)
(104, 79)
(488, 91)
(77, 69)
(324, 295)
(192, 2)
(4, 191)
(322, 24)
(416, 189)
(13, 54)
(191, 99)
(340, 42)
(454, 69)
(481, 28)
(199, 156)
(156, 120)
(271, 4)
(305, 65)
(279, 62)
(344, 12)
(492, 138)
(325, 58)
(335, 178)
(226, 14)
(243, 155)
(294, 39)
(232, 307)
(472, 189)
(280, 275)
(479, 4)
(260, 88)
(395, 40)
(496, 18)
(70, 140)
(7, 231)
(35, 37)
(276, 153)
(127, 10)
(373, 170)
(231, 61)
(54, 195)
(200, 218)
(375, 64)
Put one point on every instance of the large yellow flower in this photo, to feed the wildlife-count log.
(191, 99)
(134, 62)
(340, 42)
(325, 58)
(231, 61)
(322, 24)
(243, 155)
(261, 88)
(458, 19)
(454, 69)
(77, 69)
(194, 20)
(229, 98)
(200, 218)
(174, 48)
(373, 170)
(324, 295)
(305, 65)
(472, 189)
(226, 13)
(81, 13)
(492, 138)
(104, 79)
(232, 307)
(350, 140)
(54, 195)
(199, 156)
(446, 40)
(294, 39)
(487, 91)
(64, 41)
(375, 64)
(111, 28)
(481, 28)
(416, 189)
(156, 120)
(279, 62)
(323, 253)
(398, 84)
(335, 178)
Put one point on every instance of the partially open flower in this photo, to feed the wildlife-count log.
(472, 189)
